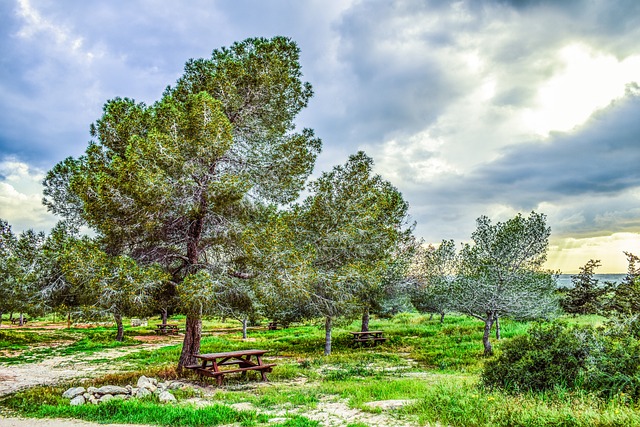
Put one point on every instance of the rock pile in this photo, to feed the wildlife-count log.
(145, 387)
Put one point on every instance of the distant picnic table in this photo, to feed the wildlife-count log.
(17, 320)
(368, 337)
(272, 326)
(167, 329)
(246, 360)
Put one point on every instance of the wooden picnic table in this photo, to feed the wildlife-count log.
(368, 336)
(246, 360)
(167, 329)
(17, 320)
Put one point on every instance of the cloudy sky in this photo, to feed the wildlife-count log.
(477, 107)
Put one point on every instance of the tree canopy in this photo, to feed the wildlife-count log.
(176, 182)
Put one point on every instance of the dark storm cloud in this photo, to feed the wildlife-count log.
(393, 53)
(590, 174)
(602, 156)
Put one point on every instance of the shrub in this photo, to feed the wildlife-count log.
(605, 361)
(548, 357)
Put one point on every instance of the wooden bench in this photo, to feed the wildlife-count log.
(212, 362)
(167, 329)
(374, 337)
(17, 320)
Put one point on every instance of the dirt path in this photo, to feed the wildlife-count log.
(61, 368)
(57, 369)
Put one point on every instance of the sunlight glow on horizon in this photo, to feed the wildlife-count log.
(567, 255)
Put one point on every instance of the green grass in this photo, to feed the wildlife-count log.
(435, 365)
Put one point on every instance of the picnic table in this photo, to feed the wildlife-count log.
(368, 336)
(272, 326)
(167, 329)
(17, 320)
(246, 360)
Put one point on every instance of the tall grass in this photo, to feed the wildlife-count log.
(434, 365)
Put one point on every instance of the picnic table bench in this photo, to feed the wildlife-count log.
(167, 329)
(17, 320)
(272, 326)
(369, 336)
(212, 362)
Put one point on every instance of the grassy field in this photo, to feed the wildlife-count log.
(435, 366)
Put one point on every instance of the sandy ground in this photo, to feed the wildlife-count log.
(60, 368)
(63, 368)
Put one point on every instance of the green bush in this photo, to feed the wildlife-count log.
(548, 357)
(604, 361)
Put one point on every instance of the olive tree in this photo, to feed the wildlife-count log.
(432, 273)
(501, 273)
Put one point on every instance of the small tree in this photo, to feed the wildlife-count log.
(586, 295)
(431, 276)
(111, 285)
(501, 273)
(8, 267)
(352, 224)
(23, 261)
(626, 296)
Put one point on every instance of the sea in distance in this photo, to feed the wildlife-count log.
(564, 280)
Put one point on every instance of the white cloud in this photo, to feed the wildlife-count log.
(588, 81)
(21, 197)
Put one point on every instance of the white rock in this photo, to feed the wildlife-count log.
(73, 392)
(106, 398)
(77, 401)
(148, 383)
(112, 389)
(92, 390)
(142, 381)
(175, 385)
(166, 397)
(143, 392)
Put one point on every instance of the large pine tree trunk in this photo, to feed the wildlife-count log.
(498, 327)
(327, 335)
(69, 320)
(1, 313)
(488, 323)
(21, 321)
(120, 334)
(442, 313)
(191, 343)
(164, 314)
(244, 328)
(365, 320)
